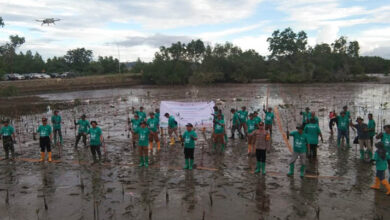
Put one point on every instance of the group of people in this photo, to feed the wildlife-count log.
(249, 126)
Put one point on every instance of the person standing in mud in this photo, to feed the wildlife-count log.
(381, 157)
(172, 128)
(251, 123)
(141, 114)
(385, 139)
(342, 128)
(313, 116)
(96, 140)
(82, 131)
(143, 141)
(363, 137)
(135, 122)
(45, 137)
(269, 120)
(7, 133)
(56, 122)
(332, 121)
(153, 127)
(348, 115)
(256, 117)
(157, 116)
(301, 146)
(243, 115)
(219, 133)
(262, 142)
(189, 138)
(371, 128)
(235, 123)
(306, 115)
(312, 131)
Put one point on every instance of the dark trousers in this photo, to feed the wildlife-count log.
(234, 129)
(261, 155)
(57, 134)
(8, 146)
(44, 143)
(79, 135)
(189, 153)
(313, 151)
(332, 122)
(380, 174)
(95, 149)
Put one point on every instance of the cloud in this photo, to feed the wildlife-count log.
(155, 40)
(327, 34)
(258, 43)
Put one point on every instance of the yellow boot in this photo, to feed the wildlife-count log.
(42, 157)
(150, 146)
(377, 184)
(172, 141)
(387, 185)
(158, 145)
(49, 156)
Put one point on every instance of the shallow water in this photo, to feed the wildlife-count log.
(224, 186)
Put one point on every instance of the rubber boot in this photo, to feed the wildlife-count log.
(387, 185)
(191, 164)
(263, 168)
(42, 157)
(187, 164)
(291, 172)
(146, 161)
(49, 156)
(377, 184)
(370, 155)
(223, 147)
(150, 146)
(303, 171)
(258, 167)
(158, 145)
(172, 141)
(141, 161)
(361, 154)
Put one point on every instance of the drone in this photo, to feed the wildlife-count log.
(48, 21)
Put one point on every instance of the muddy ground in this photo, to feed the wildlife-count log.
(223, 187)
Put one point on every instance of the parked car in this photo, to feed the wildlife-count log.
(35, 76)
(15, 76)
(68, 75)
(54, 75)
(45, 76)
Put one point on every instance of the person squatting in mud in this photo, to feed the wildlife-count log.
(96, 141)
(45, 136)
(83, 124)
(189, 137)
(7, 133)
(172, 128)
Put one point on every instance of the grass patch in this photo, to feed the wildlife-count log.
(9, 91)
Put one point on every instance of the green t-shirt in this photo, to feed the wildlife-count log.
(141, 115)
(95, 134)
(269, 118)
(342, 123)
(236, 119)
(371, 127)
(143, 136)
(257, 119)
(306, 117)
(56, 121)
(135, 123)
(315, 119)
(157, 117)
(386, 141)
(243, 115)
(300, 142)
(188, 141)
(381, 164)
(348, 114)
(172, 122)
(251, 125)
(83, 126)
(44, 130)
(152, 124)
(7, 131)
(219, 126)
(312, 131)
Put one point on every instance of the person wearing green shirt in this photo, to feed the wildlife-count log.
(342, 128)
(306, 115)
(269, 119)
(172, 128)
(313, 116)
(312, 131)
(134, 123)
(235, 124)
(381, 157)
(56, 122)
(143, 141)
(7, 133)
(385, 140)
(251, 123)
(219, 133)
(348, 115)
(243, 115)
(157, 116)
(141, 114)
(371, 128)
(256, 117)
(152, 123)
(82, 131)
(45, 137)
(189, 138)
(301, 146)
(96, 140)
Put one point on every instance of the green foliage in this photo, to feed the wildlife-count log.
(78, 59)
(9, 91)
(1, 22)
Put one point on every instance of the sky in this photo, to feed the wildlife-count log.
(131, 29)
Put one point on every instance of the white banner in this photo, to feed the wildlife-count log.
(198, 114)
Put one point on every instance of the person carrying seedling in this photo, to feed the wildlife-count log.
(96, 140)
(82, 131)
(301, 146)
(312, 131)
(153, 127)
(172, 128)
(189, 138)
(7, 133)
(363, 137)
(342, 128)
(371, 128)
(385, 139)
(45, 137)
(251, 123)
(243, 116)
(381, 157)
(262, 143)
(306, 115)
(135, 122)
(143, 141)
(269, 119)
(235, 123)
(219, 132)
(56, 122)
